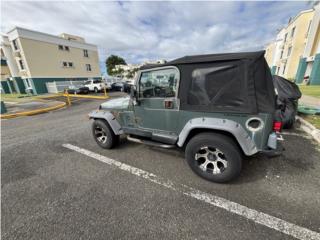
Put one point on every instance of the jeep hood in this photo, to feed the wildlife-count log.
(116, 104)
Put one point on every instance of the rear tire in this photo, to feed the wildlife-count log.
(104, 135)
(214, 157)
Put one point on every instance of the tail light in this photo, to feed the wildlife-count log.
(277, 125)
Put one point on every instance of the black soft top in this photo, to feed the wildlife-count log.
(226, 82)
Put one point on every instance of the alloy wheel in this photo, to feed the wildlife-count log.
(100, 134)
(211, 160)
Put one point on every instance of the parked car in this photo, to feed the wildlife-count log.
(72, 89)
(288, 94)
(217, 108)
(107, 85)
(94, 85)
(121, 86)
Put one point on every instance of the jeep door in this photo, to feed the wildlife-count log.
(158, 107)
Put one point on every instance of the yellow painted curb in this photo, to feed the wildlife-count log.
(33, 112)
(86, 96)
(74, 95)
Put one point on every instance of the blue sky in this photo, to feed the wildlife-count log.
(140, 31)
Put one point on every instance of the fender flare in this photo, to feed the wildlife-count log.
(243, 138)
(108, 116)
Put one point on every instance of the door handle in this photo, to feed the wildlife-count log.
(168, 104)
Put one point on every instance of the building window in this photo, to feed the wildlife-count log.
(70, 64)
(88, 67)
(289, 51)
(85, 53)
(15, 44)
(281, 55)
(285, 37)
(66, 48)
(64, 64)
(60, 47)
(292, 31)
(21, 64)
(284, 69)
(307, 33)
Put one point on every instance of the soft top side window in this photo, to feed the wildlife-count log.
(158, 83)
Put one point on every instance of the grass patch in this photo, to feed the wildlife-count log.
(313, 91)
(15, 97)
(313, 119)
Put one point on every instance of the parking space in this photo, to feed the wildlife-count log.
(52, 190)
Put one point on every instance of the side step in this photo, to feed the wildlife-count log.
(150, 143)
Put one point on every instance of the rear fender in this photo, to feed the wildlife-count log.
(246, 143)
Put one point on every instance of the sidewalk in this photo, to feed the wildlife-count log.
(310, 101)
(30, 107)
(15, 107)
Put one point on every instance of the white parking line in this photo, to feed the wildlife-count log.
(233, 207)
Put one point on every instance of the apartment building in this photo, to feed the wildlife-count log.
(295, 45)
(35, 58)
(309, 64)
(129, 70)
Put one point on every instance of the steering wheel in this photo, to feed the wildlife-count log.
(157, 91)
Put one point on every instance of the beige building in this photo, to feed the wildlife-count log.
(285, 53)
(35, 58)
(5, 71)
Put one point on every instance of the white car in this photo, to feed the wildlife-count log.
(94, 85)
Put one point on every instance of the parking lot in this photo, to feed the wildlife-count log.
(58, 184)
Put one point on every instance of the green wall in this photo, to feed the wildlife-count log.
(20, 84)
(40, 83)
(5, 87)
(315, 72)
(301, 70)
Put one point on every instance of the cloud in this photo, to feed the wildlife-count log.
(156, 30)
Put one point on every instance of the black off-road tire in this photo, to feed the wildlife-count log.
(214, 144)
(110, 140)
(96, 90)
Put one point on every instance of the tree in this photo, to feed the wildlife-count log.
(112, 61)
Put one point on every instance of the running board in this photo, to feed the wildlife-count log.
(150, 143)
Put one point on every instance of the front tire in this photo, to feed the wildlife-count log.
(96, 90)
(214, 157)
(104, 135)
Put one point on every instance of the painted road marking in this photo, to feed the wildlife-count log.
(233, 207)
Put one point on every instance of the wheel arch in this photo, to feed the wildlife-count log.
(196, 131)
(223, 126)
(108, 118)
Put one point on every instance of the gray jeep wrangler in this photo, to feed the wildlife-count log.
(217, 108)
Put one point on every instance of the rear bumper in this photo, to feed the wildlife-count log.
(273, 152)
(275, 147)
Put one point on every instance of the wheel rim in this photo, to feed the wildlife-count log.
(100, 134)
(211, 160)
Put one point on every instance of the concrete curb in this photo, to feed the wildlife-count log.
(309, 128)
(33, 112)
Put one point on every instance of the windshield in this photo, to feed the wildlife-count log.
(87, 82)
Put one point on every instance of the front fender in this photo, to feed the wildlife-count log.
(246, 143)
(108, 116)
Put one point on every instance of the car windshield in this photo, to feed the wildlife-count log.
(87, 82)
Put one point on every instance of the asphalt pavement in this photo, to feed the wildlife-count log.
(51, 192)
